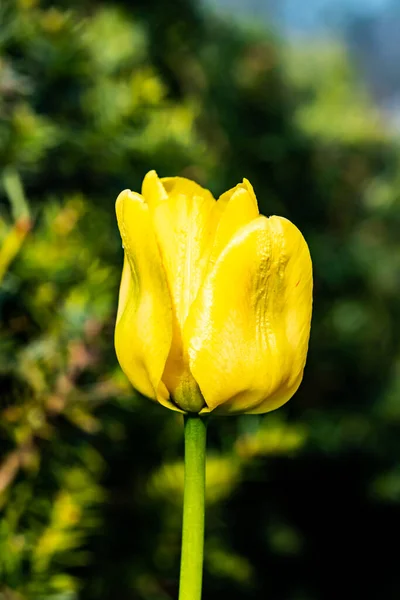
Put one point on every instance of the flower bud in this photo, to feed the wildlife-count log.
(215, 300)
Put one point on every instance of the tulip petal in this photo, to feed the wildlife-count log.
(247, 332)
(184, 227)
(187, 187)
(246, 186)
(239, 207)
(153, 190)
(143, 331)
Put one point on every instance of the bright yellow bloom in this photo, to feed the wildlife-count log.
(215, 300)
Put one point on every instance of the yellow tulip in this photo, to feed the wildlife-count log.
(215, 300)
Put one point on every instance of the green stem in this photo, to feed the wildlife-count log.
(193, 508)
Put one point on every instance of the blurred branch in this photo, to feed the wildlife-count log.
(15, 237)
(12, 463)
(15, 192)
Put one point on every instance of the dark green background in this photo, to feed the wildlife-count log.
(303, 503)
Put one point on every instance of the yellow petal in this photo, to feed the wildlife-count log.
(239, 207)
(185, 230)
(124, 288)
(246, 186)
(143, 331)
(184, 227)
(187, 187)
(153, 190)
(247, 332)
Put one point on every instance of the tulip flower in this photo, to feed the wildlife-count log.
(213, 317)
(215, 300)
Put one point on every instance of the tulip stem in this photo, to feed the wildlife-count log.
(195, 429)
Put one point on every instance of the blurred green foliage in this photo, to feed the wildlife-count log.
(303, 503)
